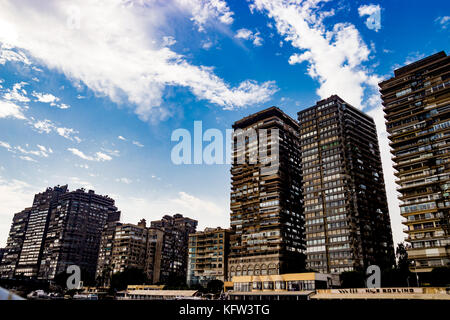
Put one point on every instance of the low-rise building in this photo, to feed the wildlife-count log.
(285, 282)
(129, 246)
(208, 254)
(290, 286)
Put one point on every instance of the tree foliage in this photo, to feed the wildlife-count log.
(131, 276)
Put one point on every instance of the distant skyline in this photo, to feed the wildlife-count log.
(90, 91)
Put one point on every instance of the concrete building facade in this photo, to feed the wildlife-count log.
(345, 205)
(130, 246)
(417, 110)
(266, 206)
(174, 255)
(208, 256)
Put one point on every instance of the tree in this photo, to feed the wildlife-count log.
(120, 280)
(104, 279)
(353, 279)
(61, 280)
(214, 286)
(401, 255)
(401, 276)
(175, 282)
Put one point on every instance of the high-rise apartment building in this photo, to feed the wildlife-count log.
(104, 270)
(266, 203)
(129, 246)
(417, 109)
(2, 253)
(208, 256)
(14, 243)
(62, 228)
(344, 197)
(174, 256)
(76, 221)
(33, 244)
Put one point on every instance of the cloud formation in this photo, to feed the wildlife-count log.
(50, 99)
(99, 156)
(48, 126)
(125, 60)
(443, 22)
(17, 93)
(14, 196)
(247, 34)
(301, 24)
(124, 180)
(207, 11)
(11, 110)
(208, 212)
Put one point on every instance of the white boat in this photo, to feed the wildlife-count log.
(85, 297)
(38, 294)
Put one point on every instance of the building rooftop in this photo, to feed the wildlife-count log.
(263, 114)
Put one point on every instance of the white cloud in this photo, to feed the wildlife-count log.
(247, 34)
(79, 183)
(41, 152)
(373, 12)
(137, 143)
(50, 99)
(44, 126)
(122, 60)
(302, 25)
(99, 156)
(207, 44)
(5, 145)
(45, 97)
(17, 93)
(244, 34)
(10, 110)
(15, 195)
(365, 10)
(208, 212)
(114, 153)
(168, 41)
(27, 158)
(63, 106)
(124, 180)
(444, 21)
(68, 133)
(8, 54)
(204, 11)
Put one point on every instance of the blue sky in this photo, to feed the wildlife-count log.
(91, 91)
